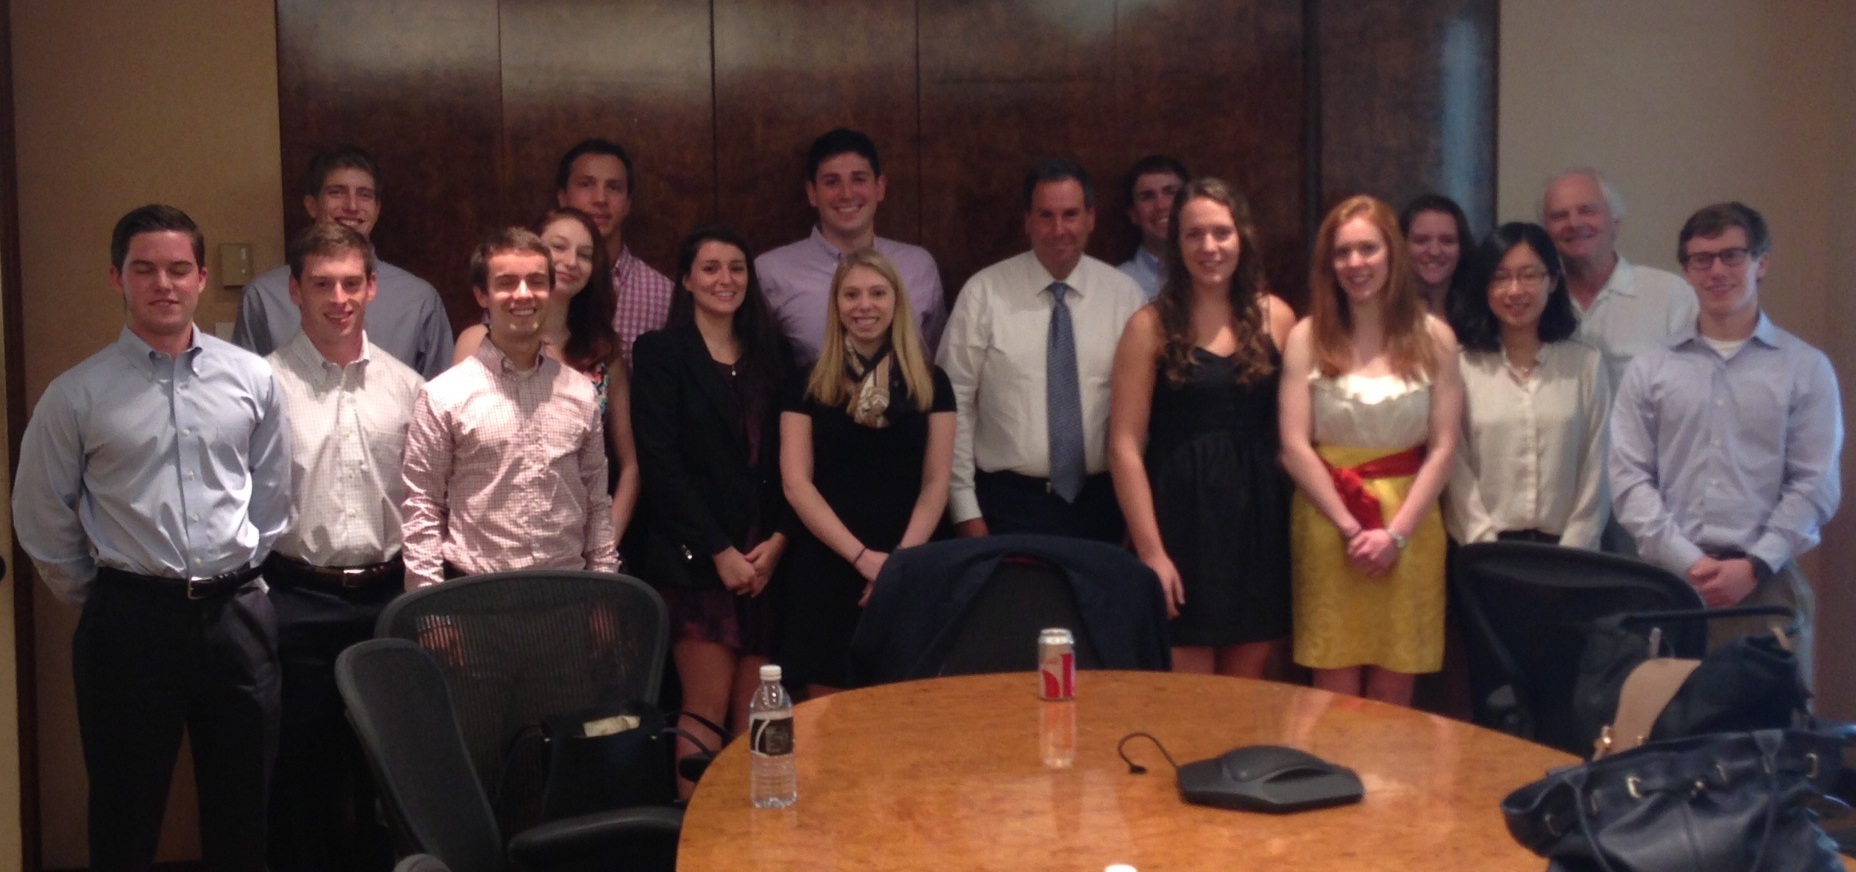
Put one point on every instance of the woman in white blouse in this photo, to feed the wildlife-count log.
(1530, 463)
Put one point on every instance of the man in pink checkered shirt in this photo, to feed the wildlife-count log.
(506, 454)
(596, 178)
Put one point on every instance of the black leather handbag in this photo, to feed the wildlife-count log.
(1726, 802)
(1628, 692)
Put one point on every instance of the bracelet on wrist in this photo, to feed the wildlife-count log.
(860, 554)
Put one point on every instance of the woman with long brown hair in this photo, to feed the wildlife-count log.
(1192, 438)
(1370, 408)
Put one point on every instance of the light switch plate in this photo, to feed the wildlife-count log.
(234, 264)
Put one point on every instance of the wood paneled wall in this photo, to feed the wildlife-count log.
(467, 104)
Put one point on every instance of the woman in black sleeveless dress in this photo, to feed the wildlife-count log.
(1192, 438)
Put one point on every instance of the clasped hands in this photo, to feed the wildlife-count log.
(1722, 583)
(1372, 552)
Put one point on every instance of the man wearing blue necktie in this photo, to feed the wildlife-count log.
(1028, 348)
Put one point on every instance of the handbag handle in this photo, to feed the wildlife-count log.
(1787, 612)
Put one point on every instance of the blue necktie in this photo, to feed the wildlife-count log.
(1063, 401)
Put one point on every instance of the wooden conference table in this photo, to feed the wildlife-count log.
(947, 774)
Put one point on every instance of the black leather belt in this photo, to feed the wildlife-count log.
(1530, 535)
(1028, 482)
(223, 584)
(278, 568)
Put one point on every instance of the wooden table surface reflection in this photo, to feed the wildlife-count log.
(946, 774)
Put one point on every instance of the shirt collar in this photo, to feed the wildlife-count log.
(621, 265)
(144, 354)
(499, 363)
(1042, 278)
(824, 245)
(1622, 281)
(303, 353)
(1150, 260)
(1764, 330)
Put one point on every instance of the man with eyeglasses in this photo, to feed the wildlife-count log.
(1624, 309)
(1725, 443)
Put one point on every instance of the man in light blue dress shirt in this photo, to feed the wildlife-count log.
(408, 318)
(1725, 443)
(153, 478)
(1153, 182)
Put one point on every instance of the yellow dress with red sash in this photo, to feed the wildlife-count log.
(1342, 617)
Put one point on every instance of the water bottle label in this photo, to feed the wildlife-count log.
(772, 736)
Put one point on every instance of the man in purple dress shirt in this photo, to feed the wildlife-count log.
(595, 177)
(1725, 442)
(845, 183)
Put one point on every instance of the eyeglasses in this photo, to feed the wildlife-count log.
(1731, 257)
(1528, 278)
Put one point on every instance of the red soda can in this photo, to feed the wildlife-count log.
(1056, 664)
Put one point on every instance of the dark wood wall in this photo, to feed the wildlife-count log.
(467, 104)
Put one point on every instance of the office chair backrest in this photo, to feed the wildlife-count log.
(401, 710)
(999, 632)
(1528, 607)
(518, 647)
(976, 605)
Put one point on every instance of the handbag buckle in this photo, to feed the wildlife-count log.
(1631, 783)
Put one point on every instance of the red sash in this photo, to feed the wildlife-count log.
(1351, 483)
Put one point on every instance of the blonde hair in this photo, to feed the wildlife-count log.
(826, 383)
(1402, 313)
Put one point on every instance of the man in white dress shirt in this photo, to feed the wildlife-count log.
(1028, 348)
(1624, 309)
(348, 404)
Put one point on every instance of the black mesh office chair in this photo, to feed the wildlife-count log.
(1528, 606)
(401, 709)
(517, 647)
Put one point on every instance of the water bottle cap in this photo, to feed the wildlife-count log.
(770, 672)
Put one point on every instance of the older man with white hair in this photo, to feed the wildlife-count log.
(1624, 309)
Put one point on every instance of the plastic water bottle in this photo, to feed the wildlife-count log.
(773, 781)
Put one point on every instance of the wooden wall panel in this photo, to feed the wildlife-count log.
(416, 83)
(1218, 86)
(1411, 108)
(1003, 84)
(789, 70)
(637, 73)
(468, 104)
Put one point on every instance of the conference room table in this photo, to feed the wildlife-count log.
(949, 773)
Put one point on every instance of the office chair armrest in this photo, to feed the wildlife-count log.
(605, 834)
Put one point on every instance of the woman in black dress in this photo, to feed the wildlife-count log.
(705, 414)
(1192, 438)
(866, 450)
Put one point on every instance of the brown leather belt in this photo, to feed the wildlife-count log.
(287, 570)
(223, 584)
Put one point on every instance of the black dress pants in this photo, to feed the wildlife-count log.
(322, 793)
(1013, 503)
(148, 663)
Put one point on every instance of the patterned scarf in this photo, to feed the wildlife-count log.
(873, 381)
